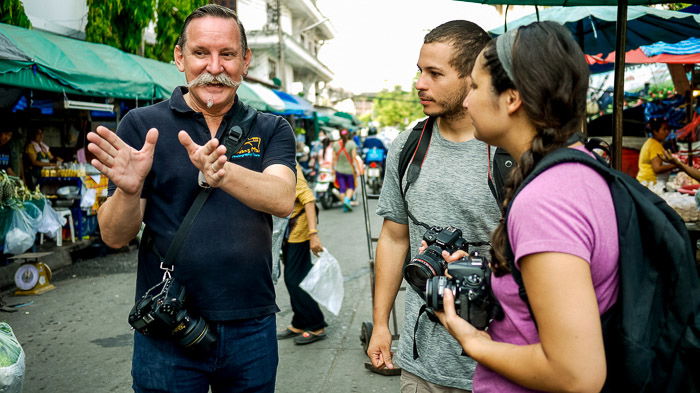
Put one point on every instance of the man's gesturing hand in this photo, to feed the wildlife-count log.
(209, 158)
(125, 166)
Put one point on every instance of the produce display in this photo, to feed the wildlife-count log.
(13, 191)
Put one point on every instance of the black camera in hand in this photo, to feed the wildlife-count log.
(164, 315)
(470, 283)
(430, 262)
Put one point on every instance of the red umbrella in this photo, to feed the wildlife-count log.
(636, 56)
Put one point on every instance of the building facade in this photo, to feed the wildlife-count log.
(286, 36)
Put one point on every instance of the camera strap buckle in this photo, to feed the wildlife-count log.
(167, 274)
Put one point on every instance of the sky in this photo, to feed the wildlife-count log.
(377, 42)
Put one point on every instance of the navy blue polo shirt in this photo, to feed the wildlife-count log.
(226, 260)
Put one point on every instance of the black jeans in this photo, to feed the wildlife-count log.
(297, 263)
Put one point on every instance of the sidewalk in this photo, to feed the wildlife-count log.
(59, 257)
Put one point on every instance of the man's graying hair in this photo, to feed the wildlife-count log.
(216, 11)
(467, 39)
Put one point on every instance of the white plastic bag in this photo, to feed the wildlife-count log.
(11, 361)
(22, 231)
(50, 222)
(88, 198)
(324, 282)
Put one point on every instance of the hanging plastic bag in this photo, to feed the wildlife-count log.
(22, 231)
(50, 222)
(279, 226)
(88, 198)
(11, 361)
(324, 282)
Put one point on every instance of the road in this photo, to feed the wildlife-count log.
(77, 340)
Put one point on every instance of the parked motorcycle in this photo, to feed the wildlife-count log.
(325, 189)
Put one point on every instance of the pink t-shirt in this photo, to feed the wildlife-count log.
(567, 209)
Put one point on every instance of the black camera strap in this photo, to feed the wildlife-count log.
(233, 138)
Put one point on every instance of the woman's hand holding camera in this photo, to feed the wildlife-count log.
(459, 328)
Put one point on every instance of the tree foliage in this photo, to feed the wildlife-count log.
(396, 108)
(677, 6)
(12, 13)
(119, 23)
(171, 17)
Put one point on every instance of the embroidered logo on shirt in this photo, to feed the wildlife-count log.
(251, 148)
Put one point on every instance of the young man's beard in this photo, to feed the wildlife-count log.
(452, 108)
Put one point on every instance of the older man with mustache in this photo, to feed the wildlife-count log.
(157, 162)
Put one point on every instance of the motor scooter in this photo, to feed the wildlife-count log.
(325, 189)
(374, 160)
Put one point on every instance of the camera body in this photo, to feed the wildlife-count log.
(470, 283)
(164, 315)
(430, 262)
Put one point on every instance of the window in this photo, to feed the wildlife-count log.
(272, 69)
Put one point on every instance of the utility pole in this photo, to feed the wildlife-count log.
(280, 46)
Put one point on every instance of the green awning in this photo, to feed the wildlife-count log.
(44, 61)
(93, 69)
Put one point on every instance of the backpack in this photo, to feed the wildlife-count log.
(652, 333)
(414, 150)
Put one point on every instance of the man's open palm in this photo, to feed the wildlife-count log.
(125, 166)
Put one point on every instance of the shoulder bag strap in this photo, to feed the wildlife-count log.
(244, 121)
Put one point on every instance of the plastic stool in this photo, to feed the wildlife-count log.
(63, 212)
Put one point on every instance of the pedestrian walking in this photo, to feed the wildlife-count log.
(302, 239)
(344, 167)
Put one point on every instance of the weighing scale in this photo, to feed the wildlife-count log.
(33, 277)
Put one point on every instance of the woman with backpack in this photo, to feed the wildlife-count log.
(528, 96)
(344, 167)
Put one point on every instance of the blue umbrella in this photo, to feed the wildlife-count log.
(594, 27)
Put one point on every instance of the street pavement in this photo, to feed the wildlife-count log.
(77, 339)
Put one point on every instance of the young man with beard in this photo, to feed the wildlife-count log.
(454, 157)
(226, 271)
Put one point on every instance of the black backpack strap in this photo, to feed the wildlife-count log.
(503, 164)
(411, 160)
(413, 153)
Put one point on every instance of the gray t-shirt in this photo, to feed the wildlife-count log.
(452, 189)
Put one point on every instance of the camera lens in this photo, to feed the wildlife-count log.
(434, 289)
(194, 334)
(424, 266)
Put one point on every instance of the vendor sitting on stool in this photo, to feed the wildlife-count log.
(650, 162)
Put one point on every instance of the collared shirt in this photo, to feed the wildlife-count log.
(225, 262)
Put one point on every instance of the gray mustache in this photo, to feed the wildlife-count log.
(206, 78)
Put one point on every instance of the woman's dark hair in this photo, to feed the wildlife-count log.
(655, 125)
(551, 76)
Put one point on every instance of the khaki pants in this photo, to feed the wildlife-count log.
(413, 384)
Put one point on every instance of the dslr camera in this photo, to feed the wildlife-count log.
(470, 283)
(163, 314)
(430, 262)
